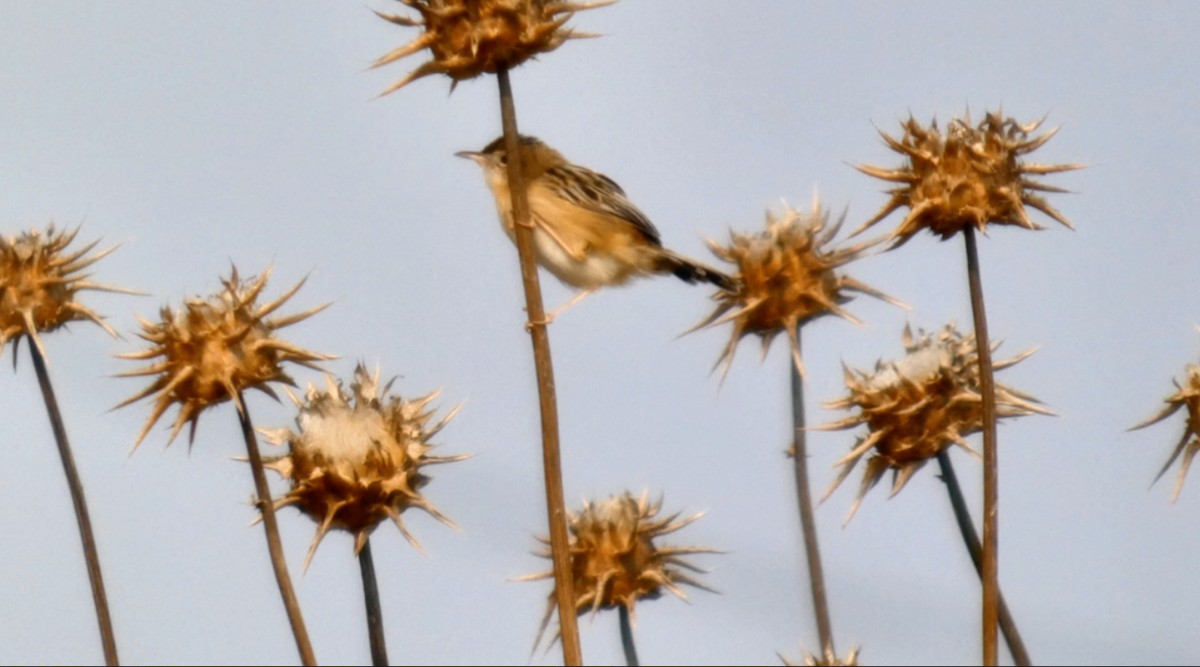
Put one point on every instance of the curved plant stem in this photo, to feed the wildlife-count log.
(965, 526)
(812, 550)
(627, 644)
(91, 556)
(374, 612)
(548, 401)
(989, 567)
(263, 501)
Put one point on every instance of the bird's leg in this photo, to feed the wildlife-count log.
(549, 319)
(583, 294)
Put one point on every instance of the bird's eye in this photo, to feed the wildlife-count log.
(502, 158)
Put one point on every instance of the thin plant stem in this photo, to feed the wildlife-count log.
(107, 638)
(547, 400)
(627, 644)
(987, 388)
(263, 501)
(966, 527)
(374, 612)
(808, 526)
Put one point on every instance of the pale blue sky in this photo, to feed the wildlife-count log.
(196, 134)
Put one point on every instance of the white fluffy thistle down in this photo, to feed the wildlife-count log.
(356, 457)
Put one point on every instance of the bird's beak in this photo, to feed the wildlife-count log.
(473, 156)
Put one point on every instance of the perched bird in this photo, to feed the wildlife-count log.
(585, 231)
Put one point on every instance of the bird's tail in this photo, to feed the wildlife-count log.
(692, 271)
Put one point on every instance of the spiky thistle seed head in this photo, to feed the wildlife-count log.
(1187, 395)
(615, 560)
(918, 406)
(828, 660)
(356, 457)
(40, 280)
(467, 38)
(973, 175)
(790, 275)
(215, 348)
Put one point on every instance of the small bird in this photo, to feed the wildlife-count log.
(585, 230)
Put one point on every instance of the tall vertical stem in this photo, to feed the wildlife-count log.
(548, 402)
(374, 612)
(966, 527)
(263, 501)
(91, 556)
(631, 657)
(987, 387)
(808, 526)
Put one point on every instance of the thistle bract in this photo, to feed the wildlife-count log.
(790, 275)
(356, 457)
(918, 406)
(971, 175)
(214, 348)
(615, 559)
(40, 281)
(467, 38)
(1186, 396)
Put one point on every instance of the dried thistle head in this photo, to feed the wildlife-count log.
(214, 349)
(467, 38)
(1188, 396)
(39, 282)
(356, 457)
(614, 558)
(828, 660)
(970, 176)
(790, 276)
(918, 406)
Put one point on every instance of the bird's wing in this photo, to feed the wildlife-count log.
(576, 250)
(596, 192)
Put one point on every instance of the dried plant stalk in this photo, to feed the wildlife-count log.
(108, 640)
(1008, 626)
(792, 274)
(808, 523)
(262, 501)
(556, 507)
(210, 352)
(355, 460)
(467, 38)
(40, 281)
(962, 181)
(375, 636)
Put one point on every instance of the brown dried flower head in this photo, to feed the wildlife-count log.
(829, 659)
(918, 406)
(1189, 443)
(614, 558)
(467, 38)
(214, 349)
(356, 457)
(971, 176)
(790, 276)
(39, 281)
